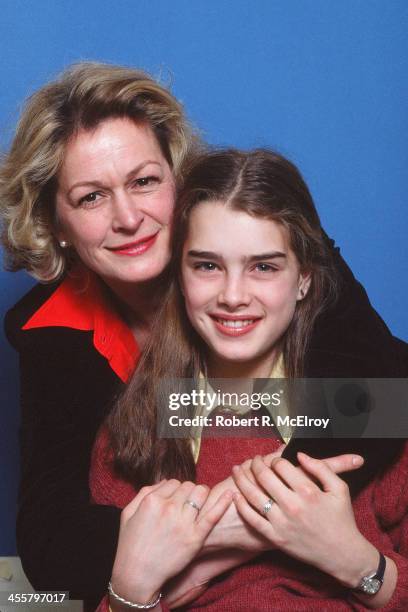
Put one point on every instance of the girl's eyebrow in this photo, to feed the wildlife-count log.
(271, 255)
(203, 254)
(251, 258)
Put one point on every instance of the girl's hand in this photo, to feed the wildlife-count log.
(315, 525)
(161, 531)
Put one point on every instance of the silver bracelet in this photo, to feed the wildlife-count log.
(132, 604)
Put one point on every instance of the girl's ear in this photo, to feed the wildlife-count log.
(305, 280)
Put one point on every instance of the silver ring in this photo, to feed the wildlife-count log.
(267, 506)
(192, 503)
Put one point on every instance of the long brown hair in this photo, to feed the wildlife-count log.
(262, 184)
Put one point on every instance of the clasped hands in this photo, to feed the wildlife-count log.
(165, 539)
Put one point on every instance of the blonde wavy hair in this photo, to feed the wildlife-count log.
(79, 99)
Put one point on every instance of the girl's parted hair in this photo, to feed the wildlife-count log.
(262, 184)
(83, 96)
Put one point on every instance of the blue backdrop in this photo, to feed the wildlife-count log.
(324, 82)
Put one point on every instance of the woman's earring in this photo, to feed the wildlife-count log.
(63, 244)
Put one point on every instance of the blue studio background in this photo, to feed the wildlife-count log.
(323, 81)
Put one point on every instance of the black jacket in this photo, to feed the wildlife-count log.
(67, 387)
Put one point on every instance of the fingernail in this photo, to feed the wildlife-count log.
(357, 460)
(304, 456)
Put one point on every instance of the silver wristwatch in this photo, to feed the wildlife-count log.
(371, 584)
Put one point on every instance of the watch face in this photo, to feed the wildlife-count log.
(371, 586)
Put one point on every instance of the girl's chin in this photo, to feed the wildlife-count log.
(239, 359)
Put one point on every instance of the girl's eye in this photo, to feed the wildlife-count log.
(265, 267)
(146, 181)
(89, 198)
(206, 266)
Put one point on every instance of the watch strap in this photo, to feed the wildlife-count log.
(379, 575)
(371, 579)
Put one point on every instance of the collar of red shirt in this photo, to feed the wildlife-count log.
(81, 303)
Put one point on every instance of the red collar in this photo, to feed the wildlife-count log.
(80, 303)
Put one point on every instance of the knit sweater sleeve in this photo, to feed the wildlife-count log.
(391, 501)
(399, 537)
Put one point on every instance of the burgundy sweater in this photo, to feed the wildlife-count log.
(274, 581)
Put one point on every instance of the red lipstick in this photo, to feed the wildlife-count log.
(138, 247)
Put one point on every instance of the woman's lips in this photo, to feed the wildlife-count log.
(138, 247)
(235, 326)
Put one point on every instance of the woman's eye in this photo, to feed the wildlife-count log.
(206, 266)
(265, 267)
(146, 181)
(89, 198)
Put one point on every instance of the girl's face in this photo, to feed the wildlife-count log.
(115, 201)
(241, 282)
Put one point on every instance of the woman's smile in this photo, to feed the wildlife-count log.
(115, 201)
(138, 247)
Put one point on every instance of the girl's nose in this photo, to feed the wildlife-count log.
(234, 293)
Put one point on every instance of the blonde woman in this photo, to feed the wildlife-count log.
(86, 194)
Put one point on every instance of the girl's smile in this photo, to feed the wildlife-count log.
(241, 282)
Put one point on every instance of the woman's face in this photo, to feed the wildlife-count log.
(241, 282)
(115, 200)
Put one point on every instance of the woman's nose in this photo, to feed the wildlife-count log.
(126, 214)
(234, 293)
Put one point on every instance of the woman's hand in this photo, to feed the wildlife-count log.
(233, 541)
(315, 525)
(161, 532)
(193, 581)
(233, 532)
